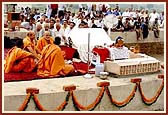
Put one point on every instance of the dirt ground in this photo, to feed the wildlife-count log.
(160, 57)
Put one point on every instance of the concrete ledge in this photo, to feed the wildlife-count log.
(150, 45)
(149, 48)
(130, 37)
(51, 93)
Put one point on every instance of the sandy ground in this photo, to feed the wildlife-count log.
(160, 57)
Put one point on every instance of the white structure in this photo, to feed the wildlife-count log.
(136, 64)
(79, 38)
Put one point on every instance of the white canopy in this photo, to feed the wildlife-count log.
(80, 37)
(98, 36)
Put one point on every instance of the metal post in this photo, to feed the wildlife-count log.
(88, 62)
(88, 51)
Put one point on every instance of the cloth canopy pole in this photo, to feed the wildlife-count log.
(88, 52)
(88, 61)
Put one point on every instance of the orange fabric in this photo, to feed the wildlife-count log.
(52, 62)
(41, 43)
(26, 65)
(28, 43)
(19, 60)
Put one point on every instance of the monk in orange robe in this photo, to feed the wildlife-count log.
(52, 62)
(45, 40)
(18, 60)
(29, 44)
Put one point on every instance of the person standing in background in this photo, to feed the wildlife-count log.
(54, 11)
(155, 28)
(137, 28)
(153, 16)
(145, 28)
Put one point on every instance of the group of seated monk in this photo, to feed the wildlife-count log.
(44, 56)
(18, 59)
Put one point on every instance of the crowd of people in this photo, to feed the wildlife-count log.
(47, 31)
(60, 21)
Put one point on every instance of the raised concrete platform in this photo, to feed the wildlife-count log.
(130, 37)
(51, 94)
(150, 45)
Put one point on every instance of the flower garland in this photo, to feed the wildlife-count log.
(37, 103)
(122, 103)
(24, 104)
(61, 107)
(92, 106)
(153, 99)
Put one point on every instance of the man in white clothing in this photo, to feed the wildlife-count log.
(68, 30)
(119, 51)
(38, 31)
(125, 14)
(28, 24)
(58, 32)
(153, 16)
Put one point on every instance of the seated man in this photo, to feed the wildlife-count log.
(119, 51)
(29, 44)
(45, 40)
(119, 27)
(52, 62)
(18, 60)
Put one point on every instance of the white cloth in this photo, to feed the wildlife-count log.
(26, 25)
(90, 23)
(49, 10)
(126, 14)
(67, 31)
(99, 23)
(60, 34)
(152, 16)
(83, 52)
(38, 34)
(119, 53)
(80, 36)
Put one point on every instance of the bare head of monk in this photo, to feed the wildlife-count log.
(47, 35)
(31, 35)
(58, 26)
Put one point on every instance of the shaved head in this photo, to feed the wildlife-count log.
(47, 35)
